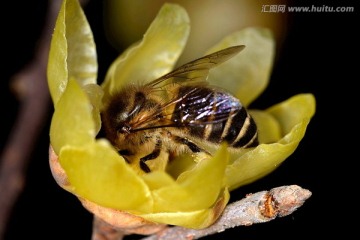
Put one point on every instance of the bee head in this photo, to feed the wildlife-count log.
(121, 110)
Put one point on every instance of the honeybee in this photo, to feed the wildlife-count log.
(153, 123)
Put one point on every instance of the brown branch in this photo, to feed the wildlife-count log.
(105, 231)
(30, 85)
(254, 208)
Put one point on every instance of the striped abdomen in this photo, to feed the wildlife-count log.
(216, 116)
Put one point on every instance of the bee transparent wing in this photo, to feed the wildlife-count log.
(201, 106)
(193, 106)
(196, 71)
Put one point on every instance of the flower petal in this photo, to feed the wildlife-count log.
(72, 122)
(127, 222)
(158, 179)
(97, 173)
(248, 73)
(95, 94)
(293, 116)
(156, 54)
(72, 50)
(269, 128)
(193, 219)
(293, 110)
(194, 189)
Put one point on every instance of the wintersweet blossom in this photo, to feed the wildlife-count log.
(191, 193)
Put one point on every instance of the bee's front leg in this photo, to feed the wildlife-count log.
(154, 154)
(125, 153)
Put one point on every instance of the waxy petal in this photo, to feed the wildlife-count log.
(293, 116)
(72, 122)
(72, 51)
(95, 94)
(194, 189)
(247, 74)
(194, 219)
(268, 127)
(97, 173)
(155, 55)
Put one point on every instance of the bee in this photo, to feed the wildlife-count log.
(151, 124)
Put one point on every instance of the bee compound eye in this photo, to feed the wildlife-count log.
(124, 129)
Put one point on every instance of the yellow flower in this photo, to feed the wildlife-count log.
(92, 169)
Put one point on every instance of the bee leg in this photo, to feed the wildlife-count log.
(192, 146)
(154, 154)
(124, 153)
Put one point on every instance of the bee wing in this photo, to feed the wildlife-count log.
(196, 71)
(201, 106)
(193, 106)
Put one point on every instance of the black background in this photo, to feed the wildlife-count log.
(317, 57)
